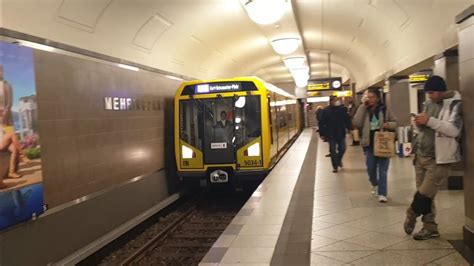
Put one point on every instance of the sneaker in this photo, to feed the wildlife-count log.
(382, 198)
(425, 234)
(409, 225)
(334, 170)
(373, 190)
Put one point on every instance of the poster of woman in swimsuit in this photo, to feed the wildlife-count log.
(21, 189)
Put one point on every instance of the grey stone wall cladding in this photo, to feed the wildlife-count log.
(399, 102)
(85, 147)
(466, 77)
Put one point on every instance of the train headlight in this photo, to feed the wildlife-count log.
(254, 150)
(186, 152)
(240, 103)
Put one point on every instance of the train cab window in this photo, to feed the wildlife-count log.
(247, 120)
(218, 130)
(190, 123)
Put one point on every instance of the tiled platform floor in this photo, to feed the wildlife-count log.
(349, 226)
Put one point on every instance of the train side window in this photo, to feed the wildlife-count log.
(270, 121)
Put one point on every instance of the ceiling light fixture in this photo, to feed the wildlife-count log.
(133, 68)
(37, 46)
(173, 77)
(301, 76)
(318, 99)
(265, 11)
(300, 72)
(285, 46)
(294, 62)
(301, 83)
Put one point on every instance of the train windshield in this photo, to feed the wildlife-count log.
(219, 126)
(191, 127)
(247, 120)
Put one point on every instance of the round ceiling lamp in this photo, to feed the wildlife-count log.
(300, 72)
(301, 83)
(294, 62)
(285, 46)
(301, 76)
(265, 11)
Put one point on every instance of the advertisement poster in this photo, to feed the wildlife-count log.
(21, 189)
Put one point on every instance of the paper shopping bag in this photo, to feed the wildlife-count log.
(384, 144)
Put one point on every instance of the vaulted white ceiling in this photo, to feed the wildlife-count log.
(367, 39)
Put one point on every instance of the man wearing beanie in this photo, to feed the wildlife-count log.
(436, 148)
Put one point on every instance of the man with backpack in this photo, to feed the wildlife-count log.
(436, 148)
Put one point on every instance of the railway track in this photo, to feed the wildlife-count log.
(184, 236)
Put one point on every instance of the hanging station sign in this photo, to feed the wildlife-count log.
(325, 84)
(418, 78)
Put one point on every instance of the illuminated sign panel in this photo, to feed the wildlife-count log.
(343, 93)
(217, 87)
(418, 78)
(318, 86)
(325, 84)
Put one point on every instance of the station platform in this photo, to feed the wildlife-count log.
(303, 214)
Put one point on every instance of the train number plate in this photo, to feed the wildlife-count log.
(218, 145)
(219, 176)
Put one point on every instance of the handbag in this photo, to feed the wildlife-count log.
(384, 144)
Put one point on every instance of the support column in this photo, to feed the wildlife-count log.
(465, 22)
(446, 65)
(398, 99)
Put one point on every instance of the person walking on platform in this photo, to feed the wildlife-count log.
(351, 109)
(321, 126)
(436, 148)
(336, 121)
(318, 113)
(371, 116)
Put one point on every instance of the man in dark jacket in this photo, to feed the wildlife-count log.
(336, 121)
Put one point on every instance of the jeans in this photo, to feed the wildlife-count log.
(382, 164)
(336, 156)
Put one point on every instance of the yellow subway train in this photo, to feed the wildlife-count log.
(232, 130)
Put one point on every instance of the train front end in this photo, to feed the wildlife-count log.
(221, 131)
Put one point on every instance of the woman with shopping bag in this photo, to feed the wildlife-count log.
(374, 119)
